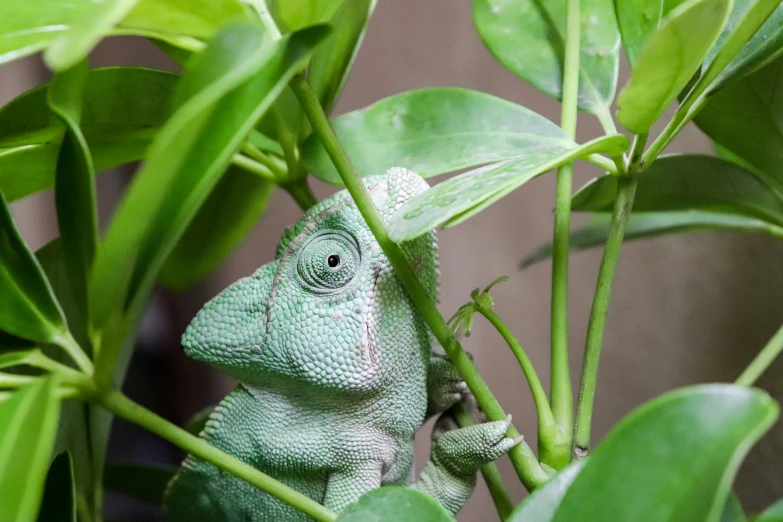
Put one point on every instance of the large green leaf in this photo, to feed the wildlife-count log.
(651, 224)
(455, 200)
(638, 19)
(28, 308)
(28, 423)
(528, 37)
(140, 481)
(30, 26)
(74, 184)
(59, 500)
(433, 131)
(293, 15)
(122, 108)
(223, 93)
(226, 218)
(746, 118)
(85, 30)
(393, 504)
(672, 459)
(764, 46)
(691, 182)
(774, 513)
(668, 60)
(541, 505)
(332, 60)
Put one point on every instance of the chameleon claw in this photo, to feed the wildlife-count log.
(508, 419)
(517, 440)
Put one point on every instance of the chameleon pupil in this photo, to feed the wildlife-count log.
(333, 261)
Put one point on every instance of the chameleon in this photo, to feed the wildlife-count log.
(336, 373)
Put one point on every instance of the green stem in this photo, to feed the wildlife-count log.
(72, 348)
(682, 116)
(266, 18)
(123, 407)
(522, 457)
(302, 194)
(492, 477)
(560, 376)
(626, 189)
(546, 420)
(762, 361)
(253, 166)
(276, 167)
(609, 165)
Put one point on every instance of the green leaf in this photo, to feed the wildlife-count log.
(764, 45)
(122, 108)
(541, 505)
(294, 15)
(638, 19)
(85, 31)
(652, 224)
(59, 500)
(28, 423)
(433, 131)
(74, 184)
(455, 200)
(691, 182)
(224, 220)
(746, 119)
(668, 61)
(393, 504)
(774, 513)
(28, 308)
(140, 481)
(528, 37)
(83, 429)
(31, 26)
(673, 458)
(226, 89)
(333, 59)
(732, 511)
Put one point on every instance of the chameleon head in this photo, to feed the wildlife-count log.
(328, 311)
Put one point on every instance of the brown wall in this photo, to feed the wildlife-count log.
(686, 309)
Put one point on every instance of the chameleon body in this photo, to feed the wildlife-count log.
(336, 374)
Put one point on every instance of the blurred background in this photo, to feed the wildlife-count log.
(685, 309)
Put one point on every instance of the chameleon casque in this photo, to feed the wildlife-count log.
(336, 374)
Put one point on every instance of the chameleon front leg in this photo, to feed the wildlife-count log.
(345, 487)
(457, 454)
(445, 386)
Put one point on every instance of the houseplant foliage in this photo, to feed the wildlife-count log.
(248, 118)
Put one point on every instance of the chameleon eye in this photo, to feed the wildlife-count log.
(328, 261)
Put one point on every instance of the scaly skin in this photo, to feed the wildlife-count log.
(335, 371)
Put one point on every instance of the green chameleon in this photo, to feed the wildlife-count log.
(336, 374)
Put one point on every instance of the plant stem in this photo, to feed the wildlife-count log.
(522, 457)
(546, 420)
(302, 194)
(682, 116)
(762, 361)
(560, 377)
(123, 407)
(492, 477)
(254, 167)
(609, 165)
(274, 166)
(626, 189)
(72, 348)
